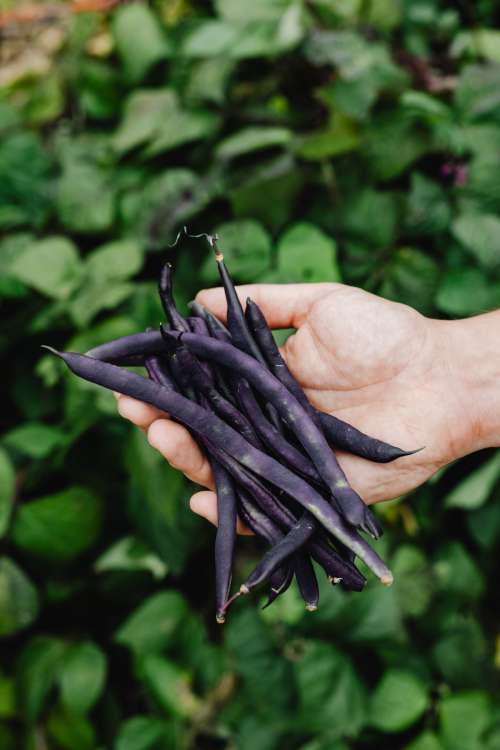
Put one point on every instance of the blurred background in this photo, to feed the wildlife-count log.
(353, 140)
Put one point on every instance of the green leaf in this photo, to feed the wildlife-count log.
(155, 119)
(428, 108)
(466, 291)
(371, 216)
(7, 698)
(484, 524)
(112, 328)
(331, 695)
(385, 161)
(51, 266)
(483, 43)
(427, 209)
(480, 234)
(411, 277)
(140, 733)
(252, 139)
(398, 701)
(38, 667)
(461, 652)
(46, 102)
(143, 117)
(7, 490)
(34, 439)
(18, 598)
(353, 98)
(208, 80)
(70, 732)
(139, 40)
(246, 247)
(478, 91)
(463, 718)
(12, 247)
(457, 573)
(266, 675)
(173, 196)
(340, 137)
(375, 617)
(107, 269)
(158, 511)
(130, 553)
(82, 677)
(413, 580)
(305, 253)
(425, 741)
(24, 181)
(60, 527)
(115, 260)
(279, 178)
(384, 14)
(153, 626)
(245, 37)
(95, 296)
(169, 686)
(85, 198)
(98, 89)
(209, 38)
(259, 10)
(474, 490)
(252, 732)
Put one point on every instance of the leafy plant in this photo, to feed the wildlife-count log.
(367, 132)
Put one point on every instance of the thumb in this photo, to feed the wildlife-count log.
(283, 305)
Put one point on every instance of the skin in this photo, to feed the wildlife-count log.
(382, 366)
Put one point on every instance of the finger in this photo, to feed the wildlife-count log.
(205, 504)
(175, 444)
(141, 414)
(284, 305)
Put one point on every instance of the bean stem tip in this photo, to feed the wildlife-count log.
(50, 349)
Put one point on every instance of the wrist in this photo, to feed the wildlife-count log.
(472, 348)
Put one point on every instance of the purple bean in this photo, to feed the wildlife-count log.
(176, 320)
(258, 522)
(137, 344)
(273, 439)
(225, 538)
(195, 375)
(272, 355)
(227, 439)
(300, 533)
(213, 323)
(297, 419)
(237, 325)
(346, 437)
(306, 581)
(279, 582)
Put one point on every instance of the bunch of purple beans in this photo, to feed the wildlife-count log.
(272, 453)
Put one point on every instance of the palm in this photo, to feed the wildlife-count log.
(381, 366)
(375, 364)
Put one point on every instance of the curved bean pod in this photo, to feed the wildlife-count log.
(227, 439)
(298, 420)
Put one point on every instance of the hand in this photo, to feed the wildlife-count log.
(379, 365)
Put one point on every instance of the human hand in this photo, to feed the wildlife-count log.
(378, 365)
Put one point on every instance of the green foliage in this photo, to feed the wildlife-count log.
(322, 141)
(398, 701)
(82, 677)
(58, 527)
